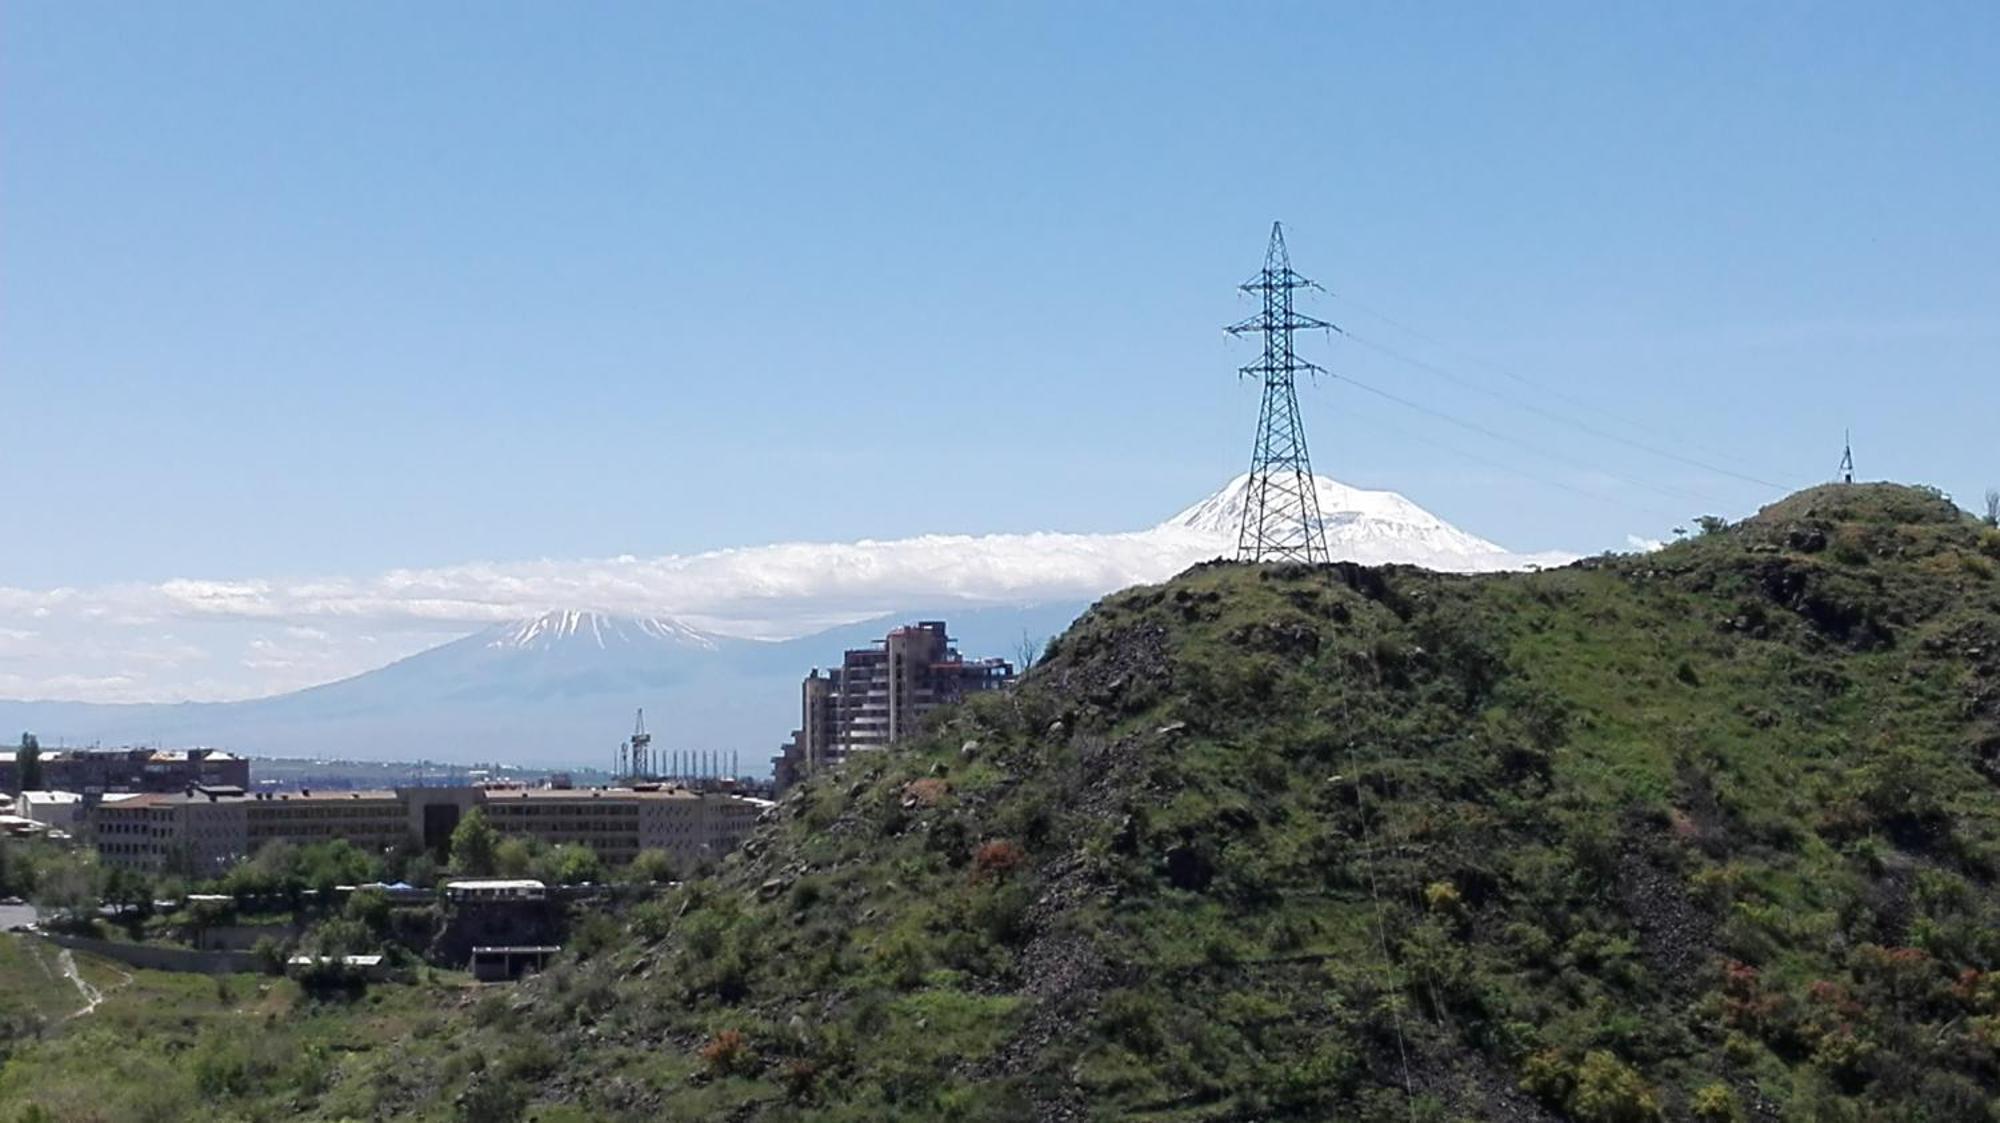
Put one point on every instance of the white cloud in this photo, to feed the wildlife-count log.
(1641, 545)
(124, 641)
(777, 590)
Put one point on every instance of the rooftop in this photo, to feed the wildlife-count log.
(328, 796)
(495, 884)
(344, 960)
(140, 799)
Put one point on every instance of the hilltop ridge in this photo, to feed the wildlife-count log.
(1701, 833)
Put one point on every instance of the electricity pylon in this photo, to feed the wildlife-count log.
(1281, 520)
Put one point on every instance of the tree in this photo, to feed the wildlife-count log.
(131, 891)
(68, 884)
(29, 773)
(1993, 506)
(369, 908)
(473, 844)
(204, 915)
(421, 871)
(652, 866)
(572, 863)
(324, 865)
(1028, 651)
(341, 936)
(514, 857)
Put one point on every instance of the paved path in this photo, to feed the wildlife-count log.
(10, 915)
(91, 995)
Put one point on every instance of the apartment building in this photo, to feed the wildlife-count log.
(205, 829)
(201, 830)
(880, 694)
(93, 772)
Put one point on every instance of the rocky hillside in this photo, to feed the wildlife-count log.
(1710, 833)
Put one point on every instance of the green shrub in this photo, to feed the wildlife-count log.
(270, 955)
(228, 1063)
(492, 1099)
(652, 920)
(650, 867)
(1000, 912)
(493, 1011)
(1715, 1103)
(1609, 1091)
(592, 933)
(1602, 1089)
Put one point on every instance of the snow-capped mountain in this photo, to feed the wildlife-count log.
(552, 631)
(557, 687)
(564, 653)
(1369, 527)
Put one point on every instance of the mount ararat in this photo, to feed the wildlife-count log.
(560, 686)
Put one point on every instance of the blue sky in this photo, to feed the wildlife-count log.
(337, 289)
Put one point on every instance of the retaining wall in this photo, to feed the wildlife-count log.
(154, 957)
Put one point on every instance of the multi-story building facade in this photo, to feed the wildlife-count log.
(93, 772)
(372, 820)
(879, 694)
(619, 822)
(203, 830)
(57, 810)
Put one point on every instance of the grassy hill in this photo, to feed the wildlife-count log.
(1710, 833)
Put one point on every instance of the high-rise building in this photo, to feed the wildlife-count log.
(879, 694)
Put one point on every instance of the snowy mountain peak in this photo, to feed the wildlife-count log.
(567, 627)
(1370, 527)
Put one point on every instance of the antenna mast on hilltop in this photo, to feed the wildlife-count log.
(1281, 519)
(1847, 457)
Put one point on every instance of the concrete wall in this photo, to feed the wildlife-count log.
(153, 957)
(243, 937)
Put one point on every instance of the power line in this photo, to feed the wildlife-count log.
(1579, 403)
(1515, 470)
(1493, 434)
(1560, 419)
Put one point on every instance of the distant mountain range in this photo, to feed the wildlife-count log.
(561, 687)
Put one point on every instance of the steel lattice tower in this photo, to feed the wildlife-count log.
(1281, 504)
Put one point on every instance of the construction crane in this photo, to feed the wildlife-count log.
(641, 746)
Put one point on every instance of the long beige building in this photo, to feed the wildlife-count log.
(204, 829)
